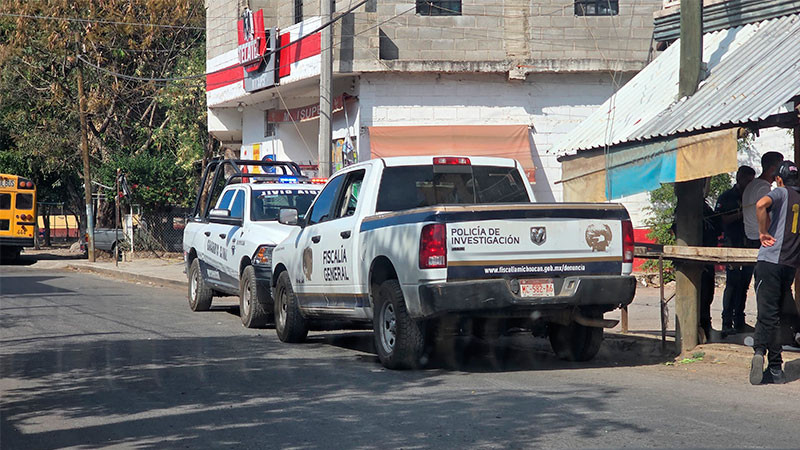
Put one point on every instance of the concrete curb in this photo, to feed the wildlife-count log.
(127, 276)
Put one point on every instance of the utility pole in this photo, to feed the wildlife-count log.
(689, 208)
(325, 88)
(87, 179)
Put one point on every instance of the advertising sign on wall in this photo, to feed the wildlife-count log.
(255, 51)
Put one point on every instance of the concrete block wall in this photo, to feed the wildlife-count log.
(552, 105)
(221, 36)
(514, 32)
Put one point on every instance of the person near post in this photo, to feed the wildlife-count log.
(778, 258)
(712, 226)
(755, 191)
(737, 276)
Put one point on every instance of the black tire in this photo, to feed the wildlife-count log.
(399, 339)
(255, 301)
(290, 325)
(200, 295)
(575, 342)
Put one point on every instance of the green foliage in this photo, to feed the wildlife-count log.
(153, 131)
(661, 215)
(155, 181)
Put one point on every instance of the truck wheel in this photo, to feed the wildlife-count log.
(399, 339)
(575, 342)
(289, 324)
(255, 302)
(200, 294)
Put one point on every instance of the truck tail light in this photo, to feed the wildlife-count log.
(451, 161)
(433, 246)
(627, 241)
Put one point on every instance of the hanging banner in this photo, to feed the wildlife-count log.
(305, 112)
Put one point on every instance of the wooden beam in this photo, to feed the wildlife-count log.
(722, 255)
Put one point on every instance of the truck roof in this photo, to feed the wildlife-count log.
(428, 159)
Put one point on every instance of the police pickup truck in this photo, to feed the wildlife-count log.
(407, 242)
(227, 249)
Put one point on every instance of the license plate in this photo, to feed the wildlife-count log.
(542, 287)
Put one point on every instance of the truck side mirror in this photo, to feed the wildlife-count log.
(219, 212)
(288, 216)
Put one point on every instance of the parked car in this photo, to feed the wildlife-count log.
(408, 243)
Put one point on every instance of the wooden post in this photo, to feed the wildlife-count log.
(87, 178)
(691, 46)
(688, 231)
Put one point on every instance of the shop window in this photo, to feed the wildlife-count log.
(269, 127)
(439, 7)
(596, 7)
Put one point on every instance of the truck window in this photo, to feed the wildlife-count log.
(326, 200)
(407, 187)
(351, 190)
(237, 208)
(267, 203)
(225, 201)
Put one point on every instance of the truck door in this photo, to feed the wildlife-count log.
(214, 255)
(339, 258)
(232, 233)
(308, 271)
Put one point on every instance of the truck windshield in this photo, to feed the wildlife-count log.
(407, 187)
(267, 203)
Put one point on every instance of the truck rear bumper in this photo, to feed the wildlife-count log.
(497, 297)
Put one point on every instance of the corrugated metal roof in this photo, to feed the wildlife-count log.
(753, 70)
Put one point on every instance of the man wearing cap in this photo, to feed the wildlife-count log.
(779, 232)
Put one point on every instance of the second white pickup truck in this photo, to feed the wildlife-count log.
(405, 242)
(228, 249)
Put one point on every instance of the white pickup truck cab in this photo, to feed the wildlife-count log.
(228, 249)
(406, 242)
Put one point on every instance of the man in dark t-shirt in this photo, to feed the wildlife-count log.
(737, 276)
(778, 259)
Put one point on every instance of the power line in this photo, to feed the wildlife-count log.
(108, 22)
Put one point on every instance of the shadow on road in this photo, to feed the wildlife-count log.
(201, 392)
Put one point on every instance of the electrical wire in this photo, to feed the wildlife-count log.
(108, 22)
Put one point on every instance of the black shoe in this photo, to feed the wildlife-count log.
(774, 376)
(757, 369)
(745, 328)
(728, 331)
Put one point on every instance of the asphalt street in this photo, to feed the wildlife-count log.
(88, 362)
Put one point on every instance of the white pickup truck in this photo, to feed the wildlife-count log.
(227, 249)
(404, 242)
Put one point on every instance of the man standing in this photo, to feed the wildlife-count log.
(737, 277)
(778, 259)
(754, 191)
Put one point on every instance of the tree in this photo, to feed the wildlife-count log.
(128, 119)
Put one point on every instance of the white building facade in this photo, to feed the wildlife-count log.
(495, 77)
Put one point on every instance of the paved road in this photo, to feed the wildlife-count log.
(91, 362)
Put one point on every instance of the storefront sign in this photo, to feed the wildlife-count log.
(304, 113)
(255, 51)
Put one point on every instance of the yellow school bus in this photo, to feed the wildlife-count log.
(17, 214)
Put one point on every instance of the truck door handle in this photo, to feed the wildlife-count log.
(315, 239)
(345, 234)
(222, 235)
(207, 233)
